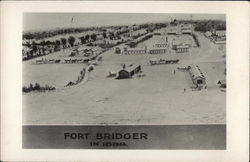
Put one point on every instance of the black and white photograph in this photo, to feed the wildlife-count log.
(124, 81)
(124, 69)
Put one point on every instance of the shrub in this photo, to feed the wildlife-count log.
(70, 83)
(25, 89)
(31, 87)
(91, 68)
(223, 86)
(72, 54)
(37, 87)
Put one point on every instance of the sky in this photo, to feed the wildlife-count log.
(45, 21)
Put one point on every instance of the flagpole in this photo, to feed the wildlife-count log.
(72, 23)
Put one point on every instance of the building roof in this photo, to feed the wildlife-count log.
(222, 82)
(83, 48)
(131, 68)
(153, 59)
(161, 41)
(186, 30)
(208, 33)
(157, 48)
(26, 49)
(220, 32)
(182, 46)
(172, 31)
(186, 26)
(195, 71)
(122, 46)
(136, 49)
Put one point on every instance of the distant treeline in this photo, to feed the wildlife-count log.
(37, 88)
(50, 33)
(207, 25)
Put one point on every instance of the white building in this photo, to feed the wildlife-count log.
(196, 75)
(157, 50)
(182, 48)
(220, 33)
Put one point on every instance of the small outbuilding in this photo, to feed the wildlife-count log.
(196, 75)
(118, 50)
(220, 33)
(128, 72)
(182, 48)
(208, 34)
(186, 31)
(112, 74)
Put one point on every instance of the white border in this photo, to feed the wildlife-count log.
(237, 14)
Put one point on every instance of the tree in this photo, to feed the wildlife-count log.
(71, 41)
(83, 41)
(48, 42)
(58, 44)
(34, 50)
(104, 35)
(87, 38)
(64, 42)
(93, 36)
(31, 87)
(28, 36)
(37, 87)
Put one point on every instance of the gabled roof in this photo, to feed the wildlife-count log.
(161, 41)
(83, 48)
(153, 59)
(195, 71)
(182, 46)
(26, 49)
(131, 68)
(186, 30)
(220, 31)
(158, 48)
(136, 49)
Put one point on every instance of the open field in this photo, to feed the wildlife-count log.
(157, 98)
(56, 75)
(51, 74)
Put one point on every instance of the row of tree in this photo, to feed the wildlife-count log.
(37, 88)
(47, 47)
(51, 33)
(208, 25)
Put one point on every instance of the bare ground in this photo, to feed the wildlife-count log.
(157, 98)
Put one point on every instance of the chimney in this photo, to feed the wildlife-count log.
(124, 67)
